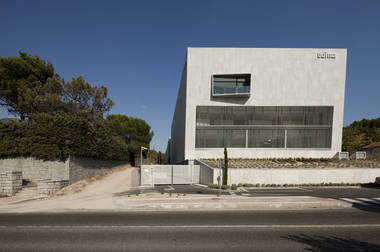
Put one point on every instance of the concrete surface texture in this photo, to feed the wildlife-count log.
(268, 172)
(300, 175)
(279, 77)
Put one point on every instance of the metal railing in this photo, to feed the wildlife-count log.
(231, 90)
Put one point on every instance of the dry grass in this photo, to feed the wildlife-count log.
(81, 184)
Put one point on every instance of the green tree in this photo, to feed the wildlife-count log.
(22, 80)
(58, 135)
(225, 175)
(134, 131)
(81, 98)
(360, 133)
(29, 85)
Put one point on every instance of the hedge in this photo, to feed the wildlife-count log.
(56, 136)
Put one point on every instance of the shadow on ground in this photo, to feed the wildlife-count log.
(332, 243)
(370, 208)
(169, 190)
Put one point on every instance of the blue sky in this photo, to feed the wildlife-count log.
(137, 48)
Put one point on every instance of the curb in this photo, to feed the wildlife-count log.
(225, 204)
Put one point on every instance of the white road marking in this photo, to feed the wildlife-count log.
(304, 189)
(245, 194)
(370, 200)
(201, 185)
(203, 226)
(377, 199)
(356, 201)
(243, 189)
(170, 188)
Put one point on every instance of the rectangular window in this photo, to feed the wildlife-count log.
(264, 126)
(231, 84)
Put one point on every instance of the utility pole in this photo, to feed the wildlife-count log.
(220, 177)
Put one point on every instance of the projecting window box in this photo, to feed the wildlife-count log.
(231, 85)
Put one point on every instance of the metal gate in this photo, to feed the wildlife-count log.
(169, 174)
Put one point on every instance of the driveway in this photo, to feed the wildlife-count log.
(96, 195)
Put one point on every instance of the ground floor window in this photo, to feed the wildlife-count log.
(273, 127)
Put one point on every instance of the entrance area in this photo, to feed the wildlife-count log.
(169, 174)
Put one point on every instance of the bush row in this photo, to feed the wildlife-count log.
(58, 135)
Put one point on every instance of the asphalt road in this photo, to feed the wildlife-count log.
(280, 230)
(323, 192)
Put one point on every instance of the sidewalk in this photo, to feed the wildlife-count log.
(228, 203)
(158, 202)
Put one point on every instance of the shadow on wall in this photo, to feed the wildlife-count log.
(240, 101)
(332, 243)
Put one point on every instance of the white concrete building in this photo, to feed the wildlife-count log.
(259, 103)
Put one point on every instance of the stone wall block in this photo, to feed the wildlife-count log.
(47, 187)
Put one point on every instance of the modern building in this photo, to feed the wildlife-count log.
(259, 103)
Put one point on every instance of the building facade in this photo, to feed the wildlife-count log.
(259, 103)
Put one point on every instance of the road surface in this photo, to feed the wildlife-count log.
(277, 230)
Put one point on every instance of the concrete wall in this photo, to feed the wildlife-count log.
(35, 169)
(302, 175)
(280, 77)
(178, 129)
(81, 168)
(206, 173)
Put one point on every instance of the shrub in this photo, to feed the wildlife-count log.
(58, 135)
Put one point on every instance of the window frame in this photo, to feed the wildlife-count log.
(232, 94)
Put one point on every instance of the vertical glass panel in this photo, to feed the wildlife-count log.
(262, 115)
(234, 138)
(266, 138)
(209, 138)
(235, 116)
(203, 117)
(291, 115)
(318, 115)
(309, 138)
(295, 138)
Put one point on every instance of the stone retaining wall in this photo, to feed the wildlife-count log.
(35, 169)
(48, 187)
(81, 168)
(10, 182)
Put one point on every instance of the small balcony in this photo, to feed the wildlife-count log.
(232, 85)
